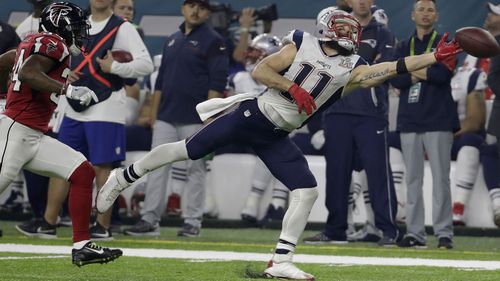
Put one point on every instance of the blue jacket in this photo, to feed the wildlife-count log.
(191, 65)
(435, 109)
(376, 39)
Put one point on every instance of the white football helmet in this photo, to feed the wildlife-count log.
(322, 14)
(261, 46)
(330, 28)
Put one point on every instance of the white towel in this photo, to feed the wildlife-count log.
(211, 107)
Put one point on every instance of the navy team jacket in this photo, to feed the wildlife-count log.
(191, 65)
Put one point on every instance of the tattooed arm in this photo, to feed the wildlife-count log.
(367, 76)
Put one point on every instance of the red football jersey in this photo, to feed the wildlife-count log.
(27, 106)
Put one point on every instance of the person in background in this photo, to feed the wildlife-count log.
(126, 10)
(467, 87)
(427, 119)
(41, 65)
(193, 69)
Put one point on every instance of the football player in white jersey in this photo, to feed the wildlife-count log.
(467, 88)
(306, 76)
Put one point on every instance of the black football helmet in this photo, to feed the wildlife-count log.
(68, 21)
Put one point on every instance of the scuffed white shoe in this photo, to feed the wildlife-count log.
(286, 270)
(108, 193)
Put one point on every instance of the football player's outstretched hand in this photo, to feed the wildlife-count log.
(302, 98)
(81, 93)
(445, 49)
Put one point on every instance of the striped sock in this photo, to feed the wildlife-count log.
(284, 247)
(130, 175)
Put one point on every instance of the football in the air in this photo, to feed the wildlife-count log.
(477, 42)
(122, 56)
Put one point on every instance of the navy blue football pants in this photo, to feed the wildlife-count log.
(247, 126)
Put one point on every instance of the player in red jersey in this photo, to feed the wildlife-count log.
(39, 69)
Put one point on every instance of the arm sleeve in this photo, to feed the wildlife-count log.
(402, 81)
(218, 65)
(128, 39)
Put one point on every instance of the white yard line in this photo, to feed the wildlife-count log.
(242, 256)
(33, 258)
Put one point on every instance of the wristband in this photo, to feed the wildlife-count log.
(244, 29)
(401, 66)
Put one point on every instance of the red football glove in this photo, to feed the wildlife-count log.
(302, 99)
(445, 50)
(450, 63)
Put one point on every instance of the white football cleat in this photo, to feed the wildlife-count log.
(286, 270)
(108, 193)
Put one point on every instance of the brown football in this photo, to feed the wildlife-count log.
(122, 56)
(477, 42)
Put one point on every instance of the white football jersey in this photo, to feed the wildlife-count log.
(466, 80)
(323, 77)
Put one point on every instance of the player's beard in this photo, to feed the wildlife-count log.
(335, 45)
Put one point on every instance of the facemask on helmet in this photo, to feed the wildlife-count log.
(68, 21)
(341, 27)
(261, 46)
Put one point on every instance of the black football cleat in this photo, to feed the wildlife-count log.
(92, 253)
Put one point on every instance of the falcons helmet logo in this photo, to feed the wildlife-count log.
(57, 13)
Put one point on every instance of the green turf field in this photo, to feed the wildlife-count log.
(32, 266)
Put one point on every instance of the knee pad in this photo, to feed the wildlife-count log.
(304, 196)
